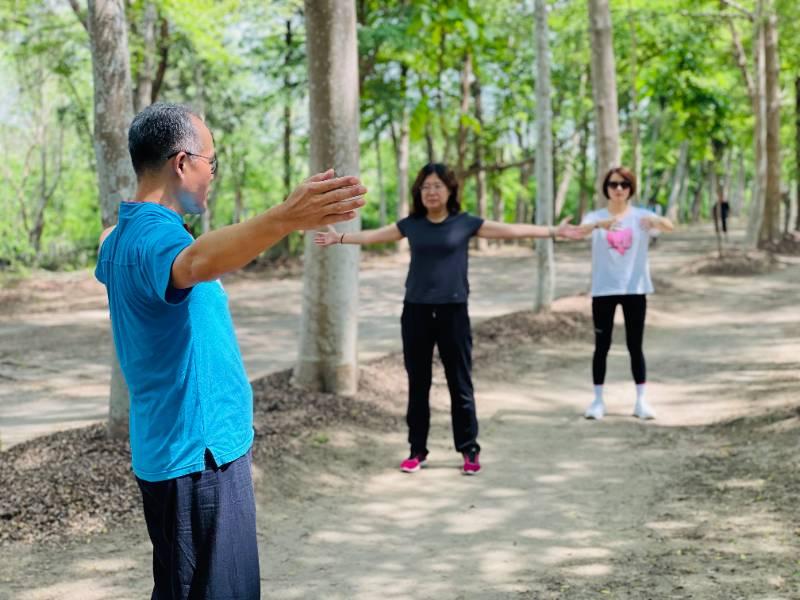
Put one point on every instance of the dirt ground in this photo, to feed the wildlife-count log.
(701, 503)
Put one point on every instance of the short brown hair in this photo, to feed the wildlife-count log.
(623, 172)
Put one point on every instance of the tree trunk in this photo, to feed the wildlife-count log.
(482, 243)
(284, 247)
(545, 283)
(727, 180)
(636, 147)
(525, 172)
(327, 359)
(522, 196)
(797, 147)
(585, 186)
(760, 137)
(113, 112)
(713, 188)
(498, 207)
(662, 181)
(430, 152)
(569, 171)
(238, 199)
(440, 95)
(604, 91)
(771, 224)
(466, 75)
(35, 233)
(144, 80)
(697, 202)
(287, 112)
(199, 106)
(381, 188)
(47, 186)
(647, 184)
(737, 195)
(401, 148)
(677, 182)
(681, 209)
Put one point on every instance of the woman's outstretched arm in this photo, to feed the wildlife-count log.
(389, 233)
(513, 231)
(657, 223)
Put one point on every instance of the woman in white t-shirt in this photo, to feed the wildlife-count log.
(620, 275)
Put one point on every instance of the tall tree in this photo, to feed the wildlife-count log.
(797, 149)
(143, 94)
(771, 224)
(328, 355)
(545, 283)
(480, 175)
(113, 112)
(401, 140)
(604, 90)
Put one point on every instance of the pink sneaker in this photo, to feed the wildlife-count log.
(413, 463)
(472, 463)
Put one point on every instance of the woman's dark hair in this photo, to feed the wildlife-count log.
(448, 178)
(625, 174)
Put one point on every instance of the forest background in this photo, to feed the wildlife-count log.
(450, 81)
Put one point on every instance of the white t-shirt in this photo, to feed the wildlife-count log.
(619, 257)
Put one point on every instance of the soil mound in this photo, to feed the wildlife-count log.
(736, 263)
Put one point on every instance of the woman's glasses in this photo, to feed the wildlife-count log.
(622, 185)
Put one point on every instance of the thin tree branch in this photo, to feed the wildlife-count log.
(78, 13)
(741, 60)
(497, 167)
(163, 61)
(737, 7)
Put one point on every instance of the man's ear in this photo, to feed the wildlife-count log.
(179, 166)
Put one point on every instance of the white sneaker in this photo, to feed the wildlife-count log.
(643, 411)
(596, 411)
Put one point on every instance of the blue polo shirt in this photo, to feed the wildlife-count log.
(188, 388)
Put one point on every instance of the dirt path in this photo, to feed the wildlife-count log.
(565, 508)
(55, 340)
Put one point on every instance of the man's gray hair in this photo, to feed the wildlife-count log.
(159, 131)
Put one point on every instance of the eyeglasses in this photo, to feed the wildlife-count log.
(432, 187)
(623, 185)
(212, 160)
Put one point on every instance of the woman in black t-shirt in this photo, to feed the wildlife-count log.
(435, 305)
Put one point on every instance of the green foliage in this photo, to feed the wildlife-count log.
(242, 62)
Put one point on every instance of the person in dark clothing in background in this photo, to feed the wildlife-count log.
(721, 210)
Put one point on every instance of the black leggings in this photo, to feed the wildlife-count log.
(634, 307)
(446, 326)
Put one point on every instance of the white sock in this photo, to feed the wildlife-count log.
(640, 392)
(598, 394)
(642, 409)
(597, 409)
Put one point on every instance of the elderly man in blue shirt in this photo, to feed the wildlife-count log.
(191, 405)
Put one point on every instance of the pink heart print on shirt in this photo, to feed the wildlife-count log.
(620, 240)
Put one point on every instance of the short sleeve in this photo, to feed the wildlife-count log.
(590, 218)
(474, 224)
(646, 212)
(157, 251)
(402, 225)
(100, 271)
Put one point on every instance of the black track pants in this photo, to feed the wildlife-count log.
(634, 308)
(446, 326)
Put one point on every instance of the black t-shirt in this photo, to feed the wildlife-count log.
(439, 251)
